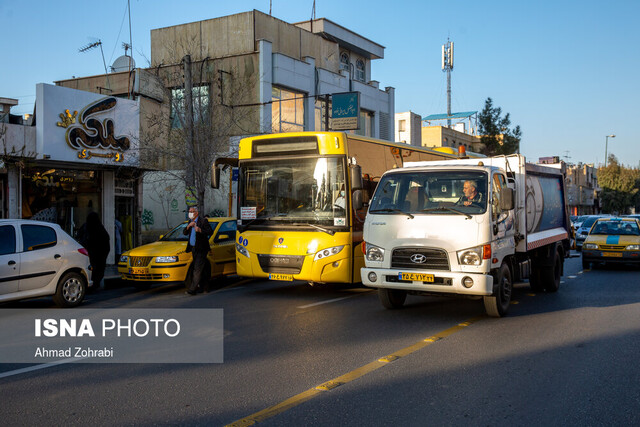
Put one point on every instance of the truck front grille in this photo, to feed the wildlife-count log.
(434, 259)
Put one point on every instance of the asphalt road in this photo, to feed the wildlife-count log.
(331, 355)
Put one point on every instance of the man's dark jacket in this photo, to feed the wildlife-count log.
(202, 238)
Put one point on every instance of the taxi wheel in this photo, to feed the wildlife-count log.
(71, 290)
(392, 298)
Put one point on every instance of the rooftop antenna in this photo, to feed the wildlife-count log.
(313, 14)
(566, 156)
(447, 67)
(270, 1)
(91, 46)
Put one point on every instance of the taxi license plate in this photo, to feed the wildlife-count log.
(416, 277)
(612, 254)
(276, 276)
(138, 271)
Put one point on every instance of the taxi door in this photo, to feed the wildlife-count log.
(223, 249)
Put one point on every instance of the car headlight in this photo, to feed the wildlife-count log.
(589, 246)
(328, 252)
(164, 259)
(124, 258)
(374, 253)
(472, 256)
(242, 250)
(633, 248)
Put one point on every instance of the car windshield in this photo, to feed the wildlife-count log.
(293, 190)
(616, 228)
(431, 193)
(588, 222)
(177, 233)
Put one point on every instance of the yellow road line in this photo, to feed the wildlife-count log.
(349, 376)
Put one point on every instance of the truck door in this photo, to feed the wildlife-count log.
(503, 221)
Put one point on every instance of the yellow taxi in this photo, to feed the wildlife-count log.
(167, 261)
(612, 240)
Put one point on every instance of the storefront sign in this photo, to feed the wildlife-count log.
(86, 127)
(345, 109)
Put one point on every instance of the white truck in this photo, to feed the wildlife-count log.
(469, 227)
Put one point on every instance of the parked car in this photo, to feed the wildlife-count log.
(166, 260)
(612, 240)
(40, 259)
(583, 231)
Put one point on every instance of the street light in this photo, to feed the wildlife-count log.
(606, 145)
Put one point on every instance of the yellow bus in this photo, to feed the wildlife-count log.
(302, 201)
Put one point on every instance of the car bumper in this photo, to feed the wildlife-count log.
(446, 282)
(612, 257)
(155, 273)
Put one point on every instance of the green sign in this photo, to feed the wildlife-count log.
(345, 109)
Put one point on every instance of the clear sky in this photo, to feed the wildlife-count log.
(568, 72)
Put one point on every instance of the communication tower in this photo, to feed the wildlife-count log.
(447, 67)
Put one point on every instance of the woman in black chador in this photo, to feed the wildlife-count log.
(96, 240)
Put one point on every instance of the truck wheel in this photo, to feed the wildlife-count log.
(498, 305)
(534, 279)
(551, 274)
(392, 298)
(71, 290)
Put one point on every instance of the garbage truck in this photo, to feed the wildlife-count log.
(468, 227)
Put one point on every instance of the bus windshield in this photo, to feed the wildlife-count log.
(440, 192)
(293, 190)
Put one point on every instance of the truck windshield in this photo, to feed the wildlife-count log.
(293, 191)
(431, 193)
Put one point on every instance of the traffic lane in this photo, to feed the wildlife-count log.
(294, 349)
(574, 360)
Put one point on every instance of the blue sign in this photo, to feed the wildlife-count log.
(235, 174)
(345, 109)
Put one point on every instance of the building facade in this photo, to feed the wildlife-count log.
(582, 189)
(409, 128)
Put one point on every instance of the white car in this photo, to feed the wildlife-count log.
(39, 259)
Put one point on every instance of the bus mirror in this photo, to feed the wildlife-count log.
(357, 200)
(215, 177)
(506, 199)
(356, 177)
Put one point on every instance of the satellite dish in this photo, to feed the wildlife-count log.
(123, 63)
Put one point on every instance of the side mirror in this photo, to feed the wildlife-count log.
(215, 176)
(355, 172)
(506, 199)
(356, 200)
(161, 236)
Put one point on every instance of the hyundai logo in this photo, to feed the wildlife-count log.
(418, 258)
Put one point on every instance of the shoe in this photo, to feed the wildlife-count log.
(190, 292)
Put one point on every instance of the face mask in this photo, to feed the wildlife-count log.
(342, 193)
(191, 215)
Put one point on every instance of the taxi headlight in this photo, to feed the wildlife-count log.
(124, 258)
(472, 256)
(242, 250)
(328, 252)
(588, 246)
(374, 253)
(633, 248)
(165, 259)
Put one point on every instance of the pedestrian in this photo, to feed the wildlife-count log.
(96, 240)
(199, 230)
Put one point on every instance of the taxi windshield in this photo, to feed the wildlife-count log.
(616, 228)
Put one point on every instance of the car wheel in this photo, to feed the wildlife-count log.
(71, 290)
(392, 298)
(498, 305)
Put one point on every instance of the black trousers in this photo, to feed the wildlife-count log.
(199, 263)
(98, 266)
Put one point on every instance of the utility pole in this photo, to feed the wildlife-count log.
(447, 67)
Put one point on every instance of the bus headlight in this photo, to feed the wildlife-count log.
(374, 253)
(242, 250)
(472, 256)
(328, 252)
(588, 246)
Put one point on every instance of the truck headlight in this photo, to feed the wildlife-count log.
(242, 250)
(633, 248)
(164, 259)
(472, 256)
(588, 246)
(328, 252)
(374, 253)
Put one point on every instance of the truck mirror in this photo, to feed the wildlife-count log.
(356, 177)
(215, 176)
(356, 200)
(506, 199)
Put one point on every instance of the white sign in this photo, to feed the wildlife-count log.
(84, 127)
(247, 212)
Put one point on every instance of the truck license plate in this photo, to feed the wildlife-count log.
(138, 271)
(277, 276)
(416, 277)
(612, 254)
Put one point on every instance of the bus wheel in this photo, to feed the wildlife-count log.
(498, 305)
(392, 298)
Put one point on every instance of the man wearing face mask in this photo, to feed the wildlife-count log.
(198, 230)
(340, 200)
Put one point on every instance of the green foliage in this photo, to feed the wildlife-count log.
(620, 187)
(495, 131)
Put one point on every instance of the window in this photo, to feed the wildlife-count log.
(229, 229)
(7, 240)
(365, 124)
(360, 74)
(344, 61)
(498, 184)
(402, 126)
(287, 111)
(36, 237)
(200, 98)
